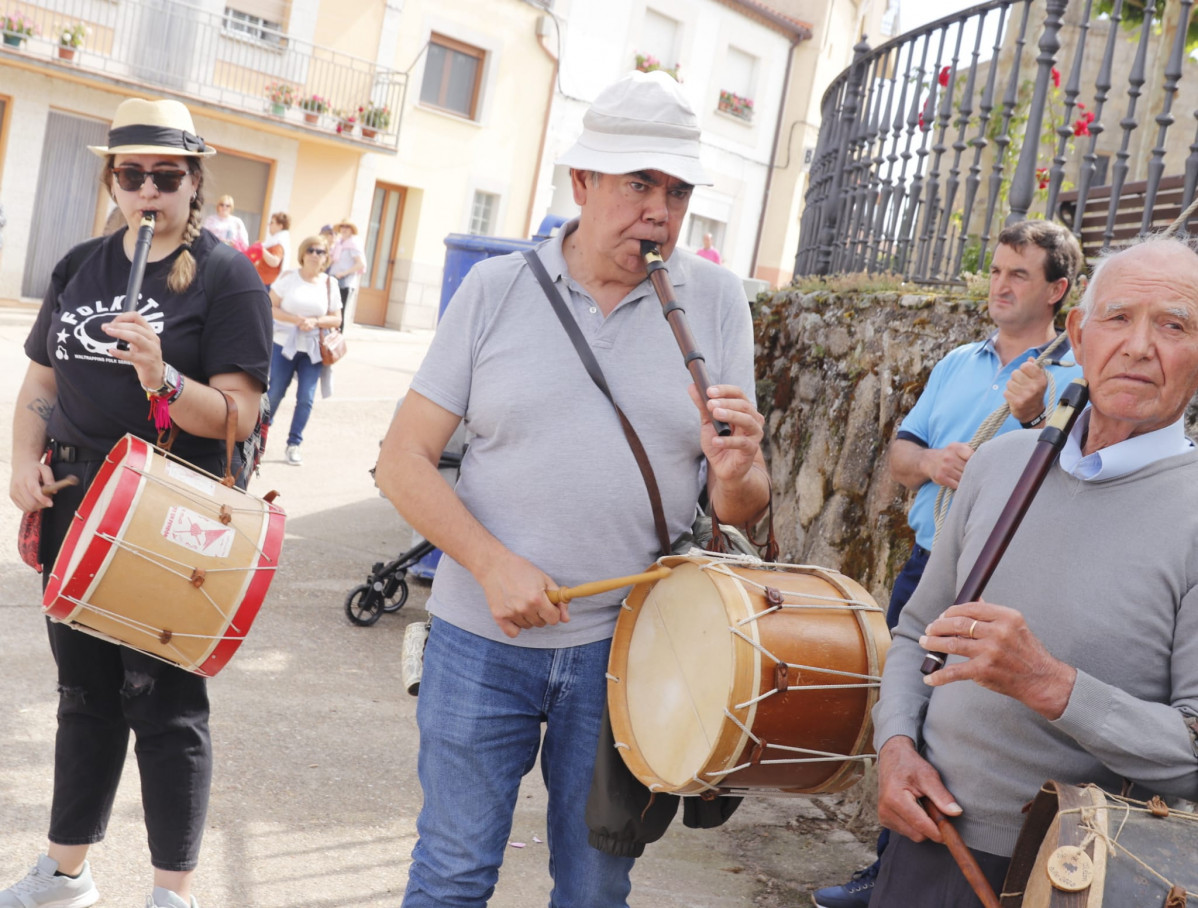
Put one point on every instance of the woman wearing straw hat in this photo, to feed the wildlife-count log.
(187, 343)
(348, 262)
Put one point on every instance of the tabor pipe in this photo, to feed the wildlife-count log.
(141, 253)
(1048, 447)
(60, 484)
(963, 856)
(564, 594)
(659, 277)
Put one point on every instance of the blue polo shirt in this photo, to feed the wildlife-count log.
(964, 388)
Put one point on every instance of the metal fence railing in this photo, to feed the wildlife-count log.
(930, 143)
(180, 48)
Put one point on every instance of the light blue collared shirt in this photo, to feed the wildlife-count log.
(1124, 457)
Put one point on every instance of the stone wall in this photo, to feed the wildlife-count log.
(835, 373)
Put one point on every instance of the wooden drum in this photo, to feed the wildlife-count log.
(734, 676)
(1081, 847)
(164, 558)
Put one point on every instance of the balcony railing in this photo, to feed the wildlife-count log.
(180, 49)
(933, 141)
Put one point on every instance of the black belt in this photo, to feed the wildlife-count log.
(63, 453)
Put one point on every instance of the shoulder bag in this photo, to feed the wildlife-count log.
(332, 341)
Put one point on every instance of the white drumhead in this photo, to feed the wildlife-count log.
(679, 674)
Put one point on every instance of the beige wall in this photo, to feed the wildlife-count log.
(836, 28)
(444, 159)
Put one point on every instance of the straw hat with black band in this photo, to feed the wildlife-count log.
(153, 127)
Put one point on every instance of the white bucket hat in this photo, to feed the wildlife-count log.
(153, 127)
(641, 122)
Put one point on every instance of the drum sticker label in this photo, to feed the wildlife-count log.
(197, 533)
(200, 483)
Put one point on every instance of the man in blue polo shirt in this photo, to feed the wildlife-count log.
(1033, 268)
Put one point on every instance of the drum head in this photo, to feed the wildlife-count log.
(679, 675)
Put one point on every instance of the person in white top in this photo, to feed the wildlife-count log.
(227, 226)
(348, 261)
(303, 302)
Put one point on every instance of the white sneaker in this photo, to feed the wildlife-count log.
(293, 455)
(41, 888)
(165, 898)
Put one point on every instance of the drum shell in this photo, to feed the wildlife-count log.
(119, 576)
(1136, 856)
(732, 668)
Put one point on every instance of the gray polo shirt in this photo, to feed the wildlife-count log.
(549, 471)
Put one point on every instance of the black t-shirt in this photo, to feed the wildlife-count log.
(204, 332)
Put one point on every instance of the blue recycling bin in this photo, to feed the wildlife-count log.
(463, 250)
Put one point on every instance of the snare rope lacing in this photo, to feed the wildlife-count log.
(720, 564)
(1094, 831)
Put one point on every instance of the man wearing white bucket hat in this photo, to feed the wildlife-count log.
(550, 494)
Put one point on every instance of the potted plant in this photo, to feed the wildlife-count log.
(375, 119)
(734, 104)
(70, 39)
(17, 27)
(648, 63)
(346, 121)
(281, 96)
(313, 106)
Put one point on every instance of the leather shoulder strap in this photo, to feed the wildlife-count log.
(596, 373)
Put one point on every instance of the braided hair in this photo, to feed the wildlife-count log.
(183, 272)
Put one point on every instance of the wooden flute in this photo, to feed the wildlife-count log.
(1048, 447)
(676, 316)
(141, 253)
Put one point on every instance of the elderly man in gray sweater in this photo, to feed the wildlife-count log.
(1081, 665)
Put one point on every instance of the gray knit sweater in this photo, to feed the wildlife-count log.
(1105, 575)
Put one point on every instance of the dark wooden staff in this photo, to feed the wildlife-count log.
(1048, 447)
(676, 316)
(141, 253)
(963, 856)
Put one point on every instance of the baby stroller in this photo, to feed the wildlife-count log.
(386, 587)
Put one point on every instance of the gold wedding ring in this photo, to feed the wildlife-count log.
(971, 627)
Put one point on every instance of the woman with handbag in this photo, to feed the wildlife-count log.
(303, 303)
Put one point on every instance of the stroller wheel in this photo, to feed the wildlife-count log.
(396, 598)
(363, 606)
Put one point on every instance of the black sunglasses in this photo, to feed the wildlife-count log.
(315, 249)
(131, 179)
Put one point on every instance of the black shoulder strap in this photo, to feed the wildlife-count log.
(220, 256)
(80, 253)
(592, 367)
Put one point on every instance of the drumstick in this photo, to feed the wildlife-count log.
(564, 594)
(60, 484)
(963, 856)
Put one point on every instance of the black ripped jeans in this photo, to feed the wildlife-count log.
(106, 691)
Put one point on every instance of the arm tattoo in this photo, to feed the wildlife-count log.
(42, 408)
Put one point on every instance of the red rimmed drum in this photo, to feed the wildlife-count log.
(734, 675)
(166, 559)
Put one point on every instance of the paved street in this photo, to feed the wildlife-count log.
(315, 792)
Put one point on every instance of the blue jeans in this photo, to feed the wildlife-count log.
(307, 374)
(480, 713)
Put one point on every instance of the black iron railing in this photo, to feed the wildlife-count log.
(932, 142)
